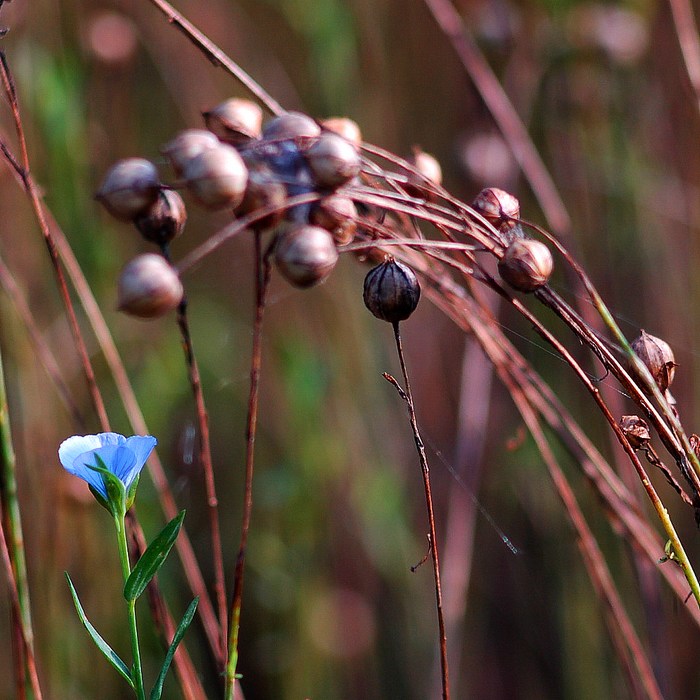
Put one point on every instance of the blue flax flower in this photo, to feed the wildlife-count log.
(122, 456)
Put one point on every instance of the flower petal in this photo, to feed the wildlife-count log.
(141, 446)
(79, 444)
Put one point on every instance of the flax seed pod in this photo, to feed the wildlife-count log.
(391, 291)
(657, 356)
(217, 177)
(333, 160)
(305, 255)
(148, 287)
(129, 187)
(235, 121)
(526, 265)
(187, 145)
(164, 219)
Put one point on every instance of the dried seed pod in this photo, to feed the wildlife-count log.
(526, 265)
(428, 166)
(130, 186)
(264, 190)
(305, 255)
(657, 356)
(391, 291)
(290, 125)
(148, 287)
(235, 121)
(498, 208)
(333, 160)
(187, 145)
(337, 214)
(636, 430)
(347, 128)
(217, 177)
(164, 219)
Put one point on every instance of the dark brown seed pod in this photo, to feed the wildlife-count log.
(347, 128)
(636, 430)
(264, 190)
(290, 125)
(657, 356)
(148, 287)
(526, 265)
(164, 219)
(333, 160)
(305, 255)
(187, 145)
(498, 208)
(130, 186)
(391, 291)
(217, 177)
(338, 215)
(235, 121)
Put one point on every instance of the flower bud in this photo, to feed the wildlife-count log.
(164, 219)
(636, 430)
(337, 214)
(305, 255)
(333, 160)
(130, 186)
(657, 356)
(235, 121)
(217, 177)
(148, 287)
(187, 145)
(498, 208)
(347, 128)
(391, 291)
(526, 265)
(290, 125)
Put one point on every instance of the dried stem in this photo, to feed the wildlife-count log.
(262, 278)
(204, 455)
(407, 395)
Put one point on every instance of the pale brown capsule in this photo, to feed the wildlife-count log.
(636, 430)
(130, 186)
(338, 215)
(427, 165)
(305, 255)
(347, 128)
(498, 207)
(526, 265)
(148, 287)
(391, 291)
(290, 125)
(657, 356)
(263, 190)
(235, 121)
(217, 177)
(187, 145)
(164, 219)
(333, 160)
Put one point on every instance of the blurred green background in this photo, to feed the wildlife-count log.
(331, 609)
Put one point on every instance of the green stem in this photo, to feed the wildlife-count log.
(136, 671)
(11, 513)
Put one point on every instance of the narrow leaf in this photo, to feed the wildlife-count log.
(109, 653)
(152, 559)
(177, 638)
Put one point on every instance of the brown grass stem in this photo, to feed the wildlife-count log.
(216, 56)
(503, 112)
(205, 460)
(262, 279)
(407, 395)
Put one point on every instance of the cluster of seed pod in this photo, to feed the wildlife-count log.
(251, 168)
(242, 165)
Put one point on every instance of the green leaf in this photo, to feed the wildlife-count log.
(109, 653)
(179, 634)
(152, 559)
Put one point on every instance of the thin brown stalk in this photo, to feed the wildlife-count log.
(407, 395)
(204, 455)
(217, 57)
(28, 662)
(503, 112)
(262, 278)
(687, 32)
